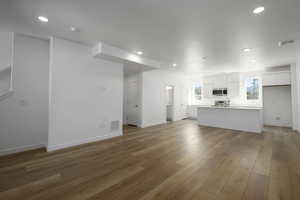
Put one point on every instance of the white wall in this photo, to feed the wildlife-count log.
(23, 115)
(154, 96)
(86, 94)
(277, 106)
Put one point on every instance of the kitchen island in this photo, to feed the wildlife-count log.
(242, 118)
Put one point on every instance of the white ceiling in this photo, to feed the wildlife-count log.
(181, 31)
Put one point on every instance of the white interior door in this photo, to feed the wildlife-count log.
(132, 103)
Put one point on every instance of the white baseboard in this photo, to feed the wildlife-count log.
(20, 149)
(153, 124)
(84, 141)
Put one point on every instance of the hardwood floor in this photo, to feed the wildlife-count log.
(174, 161)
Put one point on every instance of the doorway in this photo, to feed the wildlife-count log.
(277, 102)
(132, 103)
(169, 102)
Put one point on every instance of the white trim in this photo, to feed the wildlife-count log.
(12, 60)
(276, 72)
(84, 141)
(20, 149)
(294, 96)
(50, 125)
(153, 124)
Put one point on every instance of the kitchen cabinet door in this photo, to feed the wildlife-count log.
(233, 89)
(233, 77)
(207, 90)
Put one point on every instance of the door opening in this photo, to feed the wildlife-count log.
(277, 102)
(169, 102)
(132, 104)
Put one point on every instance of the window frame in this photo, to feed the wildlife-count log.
(259, 89)
(194, 86)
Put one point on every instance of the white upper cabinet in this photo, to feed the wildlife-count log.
(233, 77)
(276, 78)
(207, 90)
(220, 81)
(233, 89)
(233, 85)
(230, 81)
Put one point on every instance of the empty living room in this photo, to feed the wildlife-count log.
(149, 100)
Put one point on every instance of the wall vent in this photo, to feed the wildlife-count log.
(282, 43)
(115, 125)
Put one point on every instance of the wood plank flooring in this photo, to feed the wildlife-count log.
(178, 160)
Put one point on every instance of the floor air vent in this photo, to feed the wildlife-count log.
(115, 125)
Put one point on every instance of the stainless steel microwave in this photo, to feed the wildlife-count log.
(220, 92)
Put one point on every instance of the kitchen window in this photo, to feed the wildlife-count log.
(252, 88)
(197, 93)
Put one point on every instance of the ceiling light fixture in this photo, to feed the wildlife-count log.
(139, 53)
(174, 65)
(74, 29)
(253, 61)
(258, 10)
(43, 19)
(247, 49)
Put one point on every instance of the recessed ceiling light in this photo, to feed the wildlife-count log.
(258, 10)
(174, 65)
(43, 19)
(74, 29)
(247, 49)
(139, 53)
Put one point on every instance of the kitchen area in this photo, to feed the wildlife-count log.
(235, 100)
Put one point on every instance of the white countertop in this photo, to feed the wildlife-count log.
(230, 107)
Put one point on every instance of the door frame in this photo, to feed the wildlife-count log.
(138, 103)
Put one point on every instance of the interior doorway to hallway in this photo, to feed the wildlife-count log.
(169, 102)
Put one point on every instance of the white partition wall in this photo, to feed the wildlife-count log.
(23, 114)
(86, 96)
(154, 96)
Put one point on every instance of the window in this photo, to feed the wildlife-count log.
(252, 88)
(197, 93)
